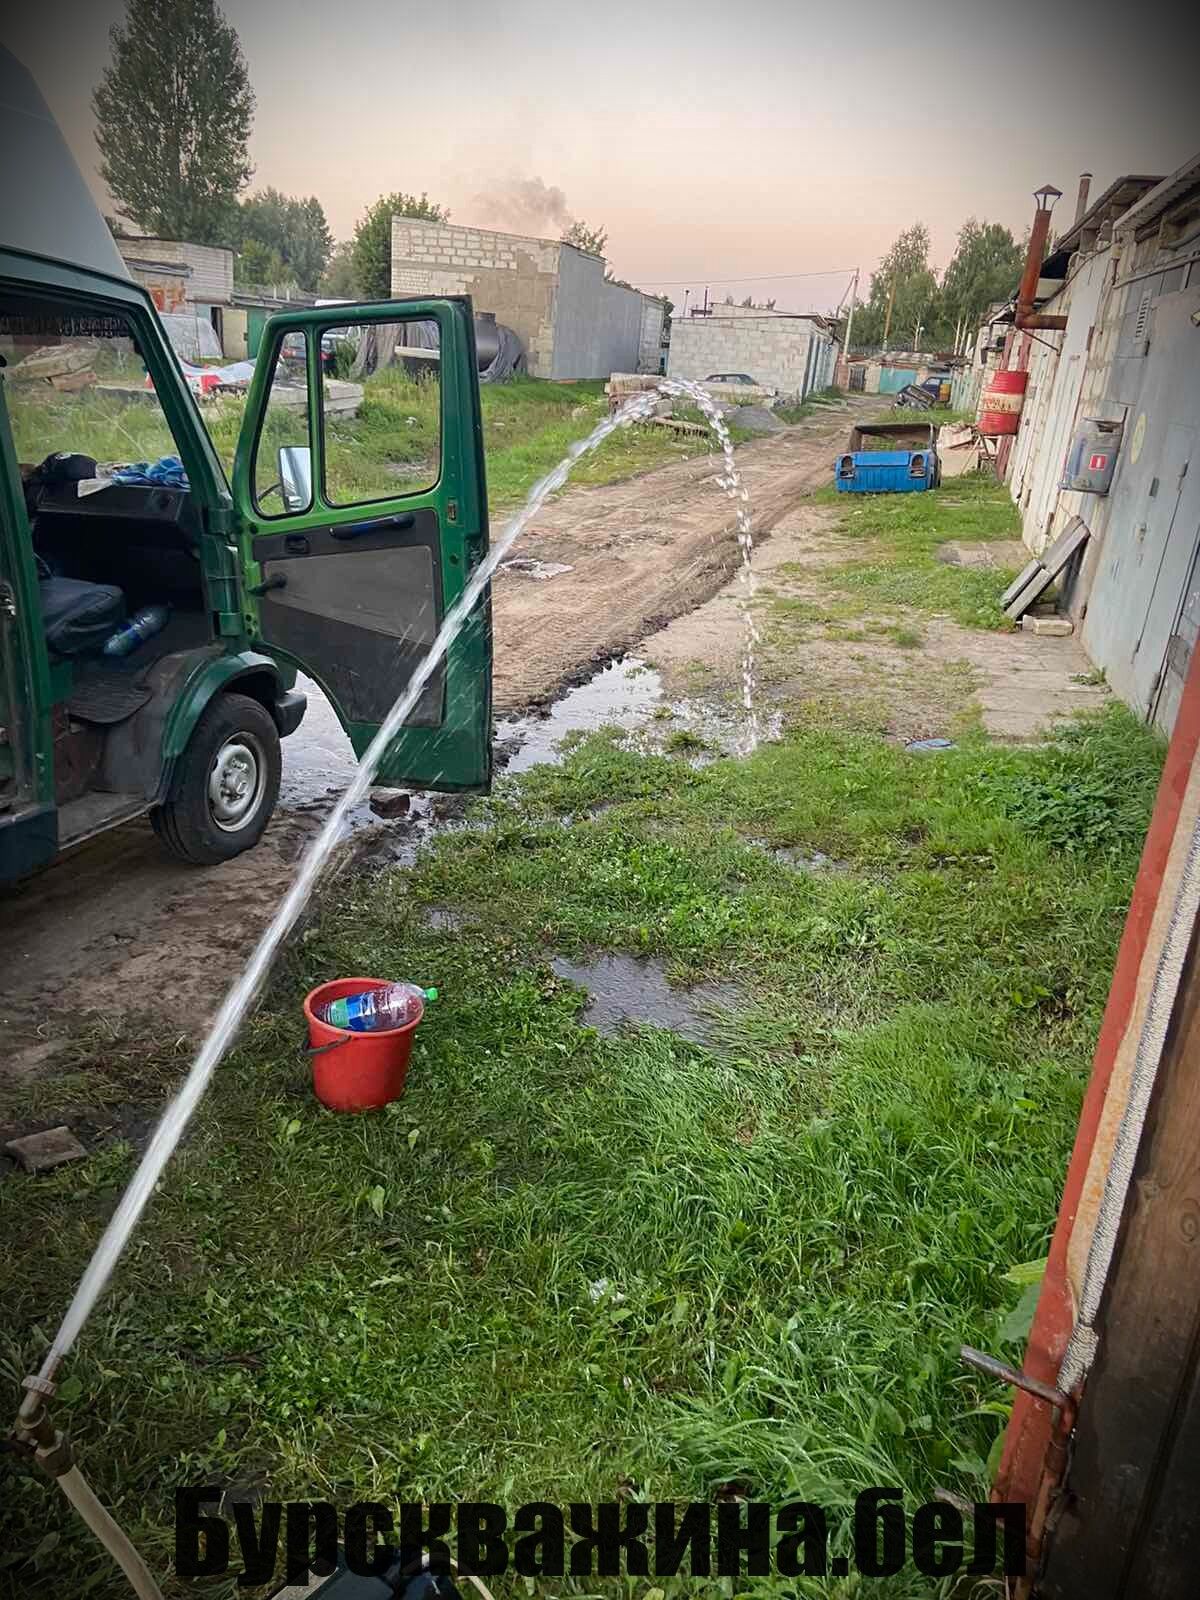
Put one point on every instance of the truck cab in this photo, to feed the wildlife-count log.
(264, 530)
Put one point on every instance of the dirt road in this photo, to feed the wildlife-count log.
(117, 934)
(641, 553)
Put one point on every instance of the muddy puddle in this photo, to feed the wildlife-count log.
(796, 857)
(628, 695)
(624, 989)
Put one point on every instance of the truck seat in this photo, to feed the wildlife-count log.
(78, 616)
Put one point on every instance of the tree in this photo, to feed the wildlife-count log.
(294, 229)
(338, 279)
(582, 237)
(173, 114)
(256, 262)
(907, 284)
(372, 247)
(986, 266)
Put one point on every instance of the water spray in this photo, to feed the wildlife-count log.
(34, 1433)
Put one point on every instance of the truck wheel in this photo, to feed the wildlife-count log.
(226, 784)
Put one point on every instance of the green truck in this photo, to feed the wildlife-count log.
(314, 554)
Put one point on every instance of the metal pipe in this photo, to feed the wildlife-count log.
(1081, 199)
(1026, 316)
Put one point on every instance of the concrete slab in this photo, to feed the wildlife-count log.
(989, 553)
(40, 1152)
(1047, 627)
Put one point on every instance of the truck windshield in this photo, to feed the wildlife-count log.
(75, 382)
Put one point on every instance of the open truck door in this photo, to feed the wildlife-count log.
(362, 518)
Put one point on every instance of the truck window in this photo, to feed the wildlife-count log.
(282, 477)
(75, 382)
(390, 444)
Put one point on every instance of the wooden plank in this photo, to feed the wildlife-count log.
(1130, 1512)
(1073, 537)
(1036, 586)
(1027, 572)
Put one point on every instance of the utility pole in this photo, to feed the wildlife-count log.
(705, 299)
(850, 315)
(686, 292)
(887, 321)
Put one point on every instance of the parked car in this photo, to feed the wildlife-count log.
(735, 377)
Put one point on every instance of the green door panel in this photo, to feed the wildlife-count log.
(352, 588)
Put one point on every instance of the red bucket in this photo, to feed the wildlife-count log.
(355, 1071)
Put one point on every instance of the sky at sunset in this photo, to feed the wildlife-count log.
(752, 142)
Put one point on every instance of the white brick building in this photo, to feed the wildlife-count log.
(573, 322)
(795, 354)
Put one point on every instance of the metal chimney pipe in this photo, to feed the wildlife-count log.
(1081, 199)
(1026, 316)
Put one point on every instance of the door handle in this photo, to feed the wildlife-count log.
(355, 530)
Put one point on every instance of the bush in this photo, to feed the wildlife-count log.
(1090, 790)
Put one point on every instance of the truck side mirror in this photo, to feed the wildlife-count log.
(295, 476)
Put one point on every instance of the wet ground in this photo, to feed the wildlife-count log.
(116, 933)
(623, 990)
(628, 694)
(118, 939)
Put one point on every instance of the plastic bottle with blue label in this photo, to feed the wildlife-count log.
(143, 625)
(376, 1010)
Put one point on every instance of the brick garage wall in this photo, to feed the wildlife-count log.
(211, 266)
(774, 350)
(506, 273)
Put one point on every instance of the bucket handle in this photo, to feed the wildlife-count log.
(320, 1049)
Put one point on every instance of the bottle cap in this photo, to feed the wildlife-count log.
(430, 994)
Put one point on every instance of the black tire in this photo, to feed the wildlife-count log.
(226, 784)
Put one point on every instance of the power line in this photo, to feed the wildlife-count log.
(757, 277)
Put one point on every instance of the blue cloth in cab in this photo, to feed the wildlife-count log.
(165, 473)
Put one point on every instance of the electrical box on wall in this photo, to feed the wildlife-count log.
(1092, 458)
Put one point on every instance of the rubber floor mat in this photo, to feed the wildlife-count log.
(106, 699)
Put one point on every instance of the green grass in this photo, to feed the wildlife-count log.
(391, 447)
(814, 404)
(940, 416)
(895, 538)
(798, 1228)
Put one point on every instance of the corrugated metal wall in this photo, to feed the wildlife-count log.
(1141, 593)
(1131, 350)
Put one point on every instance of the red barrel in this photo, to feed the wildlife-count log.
(1000, 403)
(355, 1071)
